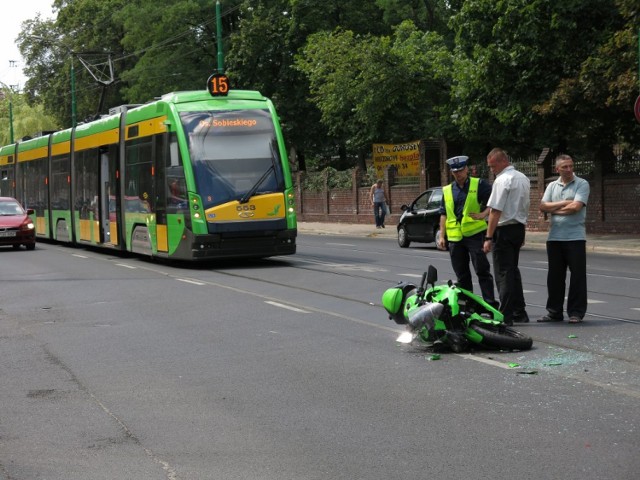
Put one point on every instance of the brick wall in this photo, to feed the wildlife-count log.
(614, 203)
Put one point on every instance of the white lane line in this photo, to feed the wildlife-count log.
(488, 361)
(529, 291)
(282, 305)
(636, 309)
(125, 266)
(595, 301)
(193, 282)
(414, 275)
(613, 276)
(345, 266)
(79, 256)
(341, 244)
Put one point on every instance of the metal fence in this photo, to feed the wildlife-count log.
(625, 162)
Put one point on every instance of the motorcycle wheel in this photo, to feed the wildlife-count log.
(502, 337)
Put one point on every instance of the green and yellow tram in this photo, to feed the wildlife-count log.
(190, 176)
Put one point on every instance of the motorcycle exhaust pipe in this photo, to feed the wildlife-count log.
(424, 315)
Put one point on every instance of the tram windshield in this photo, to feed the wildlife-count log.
(234, 154)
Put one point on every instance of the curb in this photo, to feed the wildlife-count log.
(613, 245)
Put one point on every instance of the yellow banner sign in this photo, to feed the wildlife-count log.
(404, 156)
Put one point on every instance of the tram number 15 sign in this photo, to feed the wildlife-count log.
(218, 85)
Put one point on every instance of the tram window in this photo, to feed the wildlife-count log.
(138, 175)
(232, 153)
(87, 182)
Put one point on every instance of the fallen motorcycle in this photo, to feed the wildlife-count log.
(449, 316)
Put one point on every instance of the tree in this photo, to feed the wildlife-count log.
(378, 89)
(262, 53)
(50, 49)
(426, 15)
(524, 73)
(172, 43)
(27, 119)
(606, 85)
(157, 46)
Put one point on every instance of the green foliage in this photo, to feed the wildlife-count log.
(52, 47)
(426, 15)
(173, 43)
(369, 88)
(522, 74)
(262, 52)
(335, 180)
(27, 120)
(542, 73)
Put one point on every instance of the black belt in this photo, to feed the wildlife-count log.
(517, 224)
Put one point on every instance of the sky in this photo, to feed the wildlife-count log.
(12, 18)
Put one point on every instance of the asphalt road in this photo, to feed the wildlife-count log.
(116, 367)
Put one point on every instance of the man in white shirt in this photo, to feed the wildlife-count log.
(509, 203)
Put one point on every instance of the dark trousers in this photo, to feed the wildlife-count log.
(379, 212)
(470, 249)
(507, 242)
(563, 255)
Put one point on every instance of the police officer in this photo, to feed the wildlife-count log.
(462, 221)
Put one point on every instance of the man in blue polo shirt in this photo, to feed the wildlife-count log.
(565, 199)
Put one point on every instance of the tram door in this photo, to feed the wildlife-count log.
(108, 223)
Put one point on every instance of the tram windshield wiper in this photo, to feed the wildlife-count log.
(245, 198)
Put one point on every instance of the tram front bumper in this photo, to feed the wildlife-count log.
(225, 245)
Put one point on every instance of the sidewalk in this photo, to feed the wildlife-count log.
(611, 243)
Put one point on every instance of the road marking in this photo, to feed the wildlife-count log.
(341, 244)
(126, 266)
(595, 301)
(282, 305)
(190, 281)
(636, 309)
(488, 361)
(345, 266)
(413, 275)
(613, 276)
(529, 291)
(79, 256)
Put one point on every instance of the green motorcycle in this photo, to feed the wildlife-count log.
(449, 316)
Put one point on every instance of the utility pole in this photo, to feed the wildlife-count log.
(219, 37)
(73, 94)
(10, 122)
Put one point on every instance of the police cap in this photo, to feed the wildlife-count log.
(457, 163)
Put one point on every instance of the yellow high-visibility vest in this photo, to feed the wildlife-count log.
(467, 226)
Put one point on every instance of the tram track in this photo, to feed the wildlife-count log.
(317, 265)
(384, 283)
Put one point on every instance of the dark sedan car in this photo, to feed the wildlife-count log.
(16, 228)
(420, 221)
